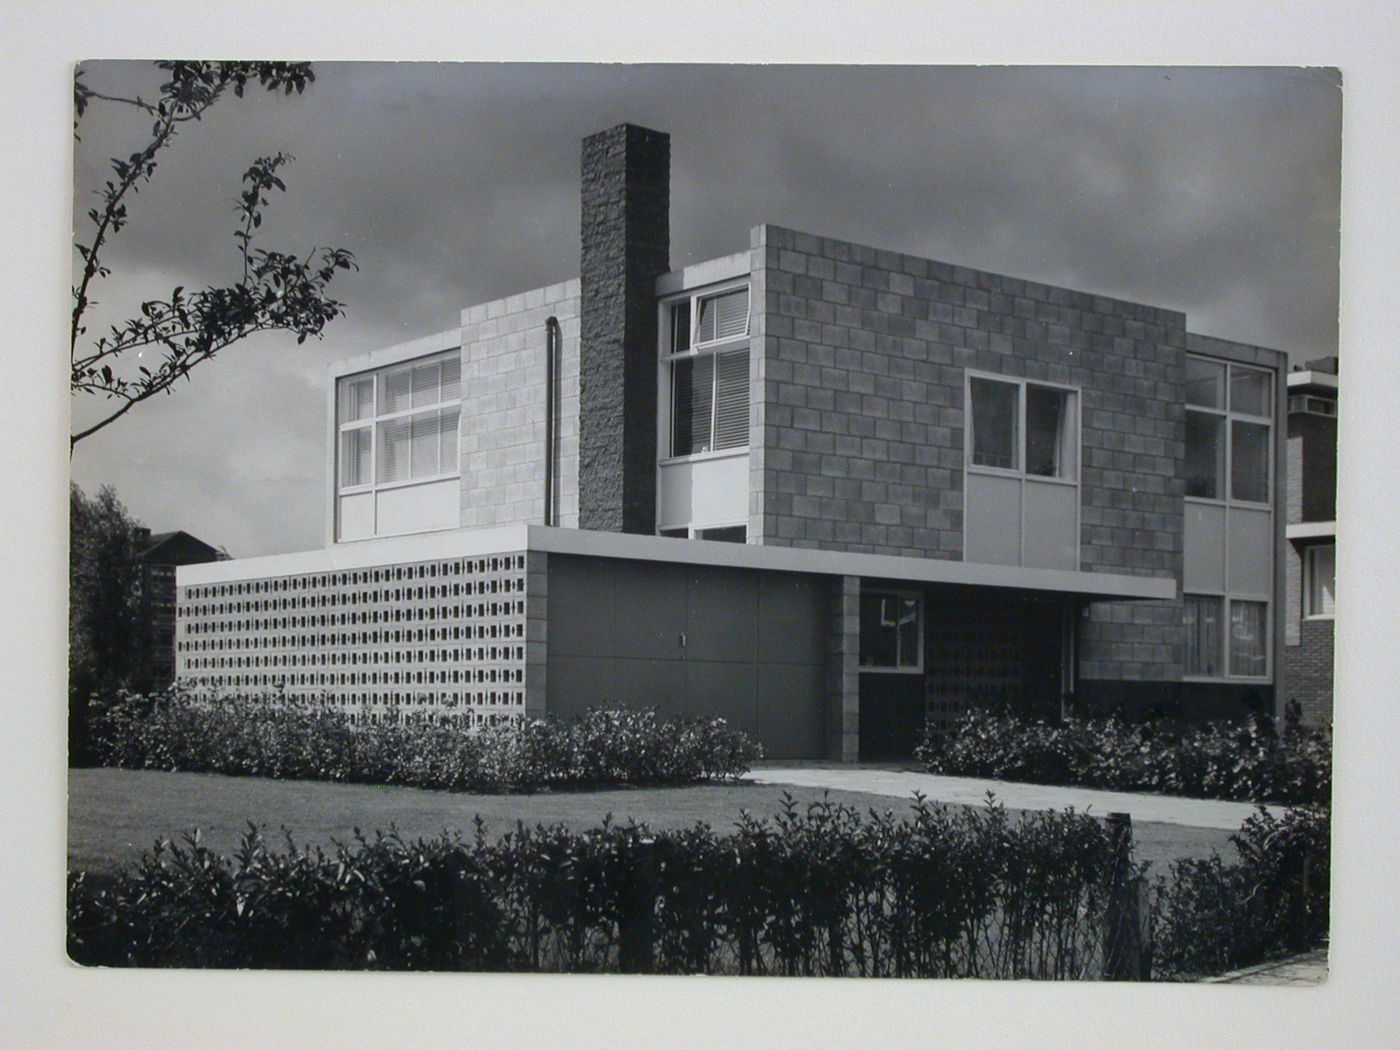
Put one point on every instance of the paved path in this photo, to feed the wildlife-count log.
(1158, 809)
(1309, 968)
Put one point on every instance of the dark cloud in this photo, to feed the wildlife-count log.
(1210, 191)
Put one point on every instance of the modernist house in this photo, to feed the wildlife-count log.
(821, 489)
(1311, 551)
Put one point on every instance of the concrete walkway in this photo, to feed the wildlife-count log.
(1309, 968)
(968, 791)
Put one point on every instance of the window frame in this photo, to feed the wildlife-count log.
(710, 348)
(1075, 418)
(1228, 674)
(375, 420)
(1229, 417)
(900, 595)
(1310, 592)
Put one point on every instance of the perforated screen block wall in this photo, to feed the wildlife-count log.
(446, 637)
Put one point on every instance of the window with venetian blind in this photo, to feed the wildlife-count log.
(709, 372)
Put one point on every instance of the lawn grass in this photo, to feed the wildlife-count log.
(116, 814)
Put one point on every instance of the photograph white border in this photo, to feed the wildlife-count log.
(46, 1001)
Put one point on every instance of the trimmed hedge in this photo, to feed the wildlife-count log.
(1211, 917)
(1225, 760)
(932, 892)
(287, 738)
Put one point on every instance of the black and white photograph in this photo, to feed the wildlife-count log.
(795, 538)
(646, 521)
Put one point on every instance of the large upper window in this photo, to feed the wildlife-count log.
(709, 372)
(1025, 427)
(399, 424)
(1228, 430)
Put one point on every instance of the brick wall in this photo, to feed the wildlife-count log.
(503, 408)
(1308, 677)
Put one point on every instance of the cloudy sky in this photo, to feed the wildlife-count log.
(1209, 191)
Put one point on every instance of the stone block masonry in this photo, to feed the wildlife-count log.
(625, 247)
(504, 401)
(861, 357)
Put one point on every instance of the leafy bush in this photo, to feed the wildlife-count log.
(1230, 760)
(1211, 917)
(931, 892)
(299, 739)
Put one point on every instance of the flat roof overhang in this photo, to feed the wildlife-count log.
(513, 539)
(1311, 530)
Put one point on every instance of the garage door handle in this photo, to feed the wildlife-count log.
(682, 639)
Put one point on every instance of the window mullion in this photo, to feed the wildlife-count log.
(714, 400)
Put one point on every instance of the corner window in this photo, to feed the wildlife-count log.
(400, 423)
(1029, 428)
(891, 631)
(1229, 428)
(1320, 581)
(708, 358)
(1226, 637)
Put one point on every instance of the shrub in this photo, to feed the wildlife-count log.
(1211, 917)
(931, 892)
(1230, 760)
(308, 740)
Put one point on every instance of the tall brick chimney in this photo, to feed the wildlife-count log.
(626, 246)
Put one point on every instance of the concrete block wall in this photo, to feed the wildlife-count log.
(843, 670)
(863, 358)
(858, 438)
(503, 408)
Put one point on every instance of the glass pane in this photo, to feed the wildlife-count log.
(356, 399)
(692, 404)
(354, 457)
(994, 424)
(394, 391)
(908, 632)
(447, 436)
(879, 642)
(680, 326)
(723, 316)
(1205, 455)
(425, 385)
(1048, 425)
(425, 444)
(1250, 391)
(1249, 461)
(732, 400)
(1322, 580)
(1248, 643)
(392, 463)
(1205, 383)
(1204, 641)
(452, 379)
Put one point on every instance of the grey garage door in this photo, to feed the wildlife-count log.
(691, 641)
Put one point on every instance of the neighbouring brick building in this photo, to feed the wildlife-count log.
(1311, 551)
(161, 555)
(822, 489)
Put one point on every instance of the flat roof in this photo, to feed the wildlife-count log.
(514, 539)
(1311, 379)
